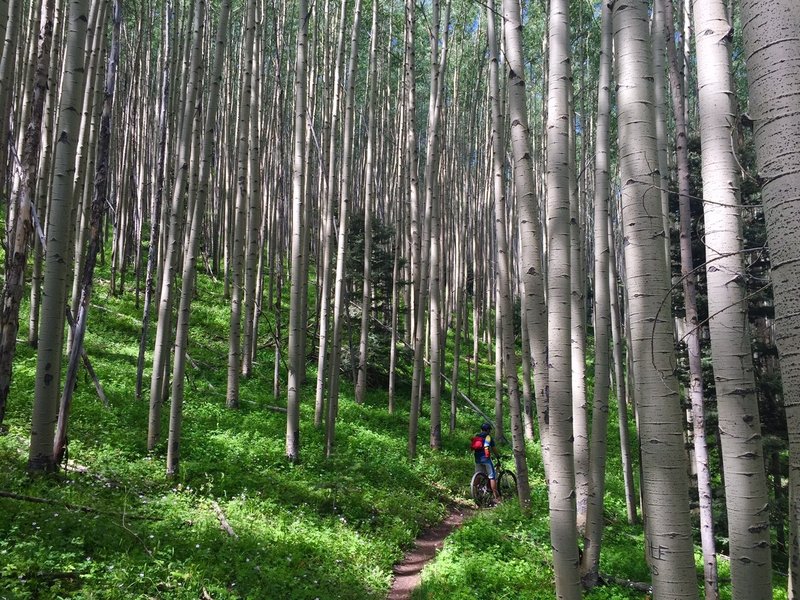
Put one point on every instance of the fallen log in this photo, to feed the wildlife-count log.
(223, 521)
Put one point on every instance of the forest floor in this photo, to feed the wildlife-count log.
(408, 573)
(240, 521)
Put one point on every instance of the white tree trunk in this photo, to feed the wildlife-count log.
(298, 283)
(602, 316)
(665, 485)
(48, 360)
(561, 475)
(772, 53)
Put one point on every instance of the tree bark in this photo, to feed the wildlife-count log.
(528, 208)
(297, 283)
(194, 222)
(504, 306)
(665, 485)
(592, 541)
(21, 231)
(689, 283)
(99, 204)
(772, 52)
(561, 475)
(48, 362)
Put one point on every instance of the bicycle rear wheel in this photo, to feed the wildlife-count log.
(481, 490)
(507, 484)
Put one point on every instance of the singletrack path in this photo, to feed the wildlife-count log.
(408, 573)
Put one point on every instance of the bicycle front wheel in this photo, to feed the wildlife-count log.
(507, 484)
(481, 490)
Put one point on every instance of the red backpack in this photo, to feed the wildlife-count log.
(477, 443)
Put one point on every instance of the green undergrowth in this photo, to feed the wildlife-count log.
(115, 526)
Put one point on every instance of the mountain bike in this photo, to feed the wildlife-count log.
(481, 489)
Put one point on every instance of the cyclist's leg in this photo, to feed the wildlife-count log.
(492, 478)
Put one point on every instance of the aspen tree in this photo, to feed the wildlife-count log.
(22, 198)
(155, 213)
(577, 287)
(433, 200)
(255, 212)
(341, 250)
(240, 216)
(414, 233)
(772, 54)
(158, 376)
(194, 223)
(659, 48)
(739, 420)
(331, 190)
(5, 9)
(617, 342)
(99, 204)
(297, 286)
(592, 539)
(528, 210)
(85, 156)
(369, 193)
(504, 306)
(27, 45)
(665, 486)
(689, 283)
(48, 361)
(43, 187)
(423, 239)
(561, 476)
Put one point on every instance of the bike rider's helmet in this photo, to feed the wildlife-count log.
(486, 427)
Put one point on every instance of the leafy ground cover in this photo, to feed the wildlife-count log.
(317, 529)
(115, 526)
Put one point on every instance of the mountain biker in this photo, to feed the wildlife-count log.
(483, 461)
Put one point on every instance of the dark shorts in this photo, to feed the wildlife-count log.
(485, 465)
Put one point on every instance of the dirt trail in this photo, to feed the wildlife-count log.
(408, 573)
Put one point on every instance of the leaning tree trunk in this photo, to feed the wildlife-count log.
(665, 485)
(51, 339)
(772, 53)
